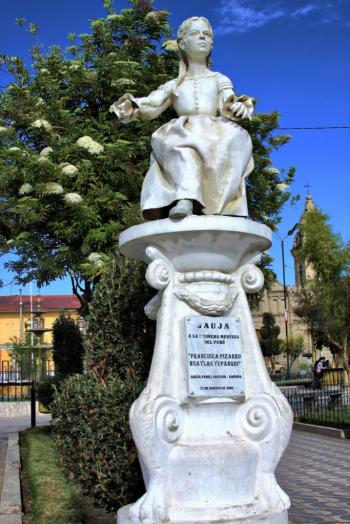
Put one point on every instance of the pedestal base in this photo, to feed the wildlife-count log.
(282, 518)
(206, 458)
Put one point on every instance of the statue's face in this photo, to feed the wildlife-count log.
(197, 41)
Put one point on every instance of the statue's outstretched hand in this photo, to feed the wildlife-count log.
(124, 108)
(239, 110)
(238, 107)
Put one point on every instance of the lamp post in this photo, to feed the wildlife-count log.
(285, 295)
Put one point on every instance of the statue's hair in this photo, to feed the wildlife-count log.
(183, 64)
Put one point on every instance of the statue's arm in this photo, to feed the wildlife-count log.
(127, 108)
(230, 105)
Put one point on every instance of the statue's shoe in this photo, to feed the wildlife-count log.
(182, 209)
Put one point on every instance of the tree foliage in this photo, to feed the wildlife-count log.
(68, 348)
(294, 347)
(29, 357)
(70, 173)
(269, 341)
(91, 410)
(324, 303)
(120, 336)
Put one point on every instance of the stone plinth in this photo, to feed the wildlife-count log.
(206, 458)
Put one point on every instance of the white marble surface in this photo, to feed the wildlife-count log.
(204, 155)
(209, 460)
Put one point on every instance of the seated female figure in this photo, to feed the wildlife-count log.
(199, 160)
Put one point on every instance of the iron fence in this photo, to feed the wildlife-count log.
(324, 402)
(16, 382)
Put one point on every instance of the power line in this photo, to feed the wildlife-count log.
(316, 128)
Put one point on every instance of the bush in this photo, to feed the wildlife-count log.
(92, 434)
(46, 391)
(91, 411)
(68, 349)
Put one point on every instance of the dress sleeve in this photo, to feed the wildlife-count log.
(227, 97)
(151, 106)
(224, 83)
(147, 107)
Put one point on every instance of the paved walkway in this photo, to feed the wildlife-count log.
(315, 472)
(3, 450)
(10, 425)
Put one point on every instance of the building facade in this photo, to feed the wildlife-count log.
(273, 299)
(25, 318)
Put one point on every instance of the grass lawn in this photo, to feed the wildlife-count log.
(48, 496)
(328, 417)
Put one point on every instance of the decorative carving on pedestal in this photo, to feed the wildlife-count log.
(258, 417)
(214, 307)
(205, 460)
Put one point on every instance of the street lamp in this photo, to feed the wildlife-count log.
(290, 232)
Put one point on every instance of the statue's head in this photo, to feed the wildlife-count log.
(195, 37)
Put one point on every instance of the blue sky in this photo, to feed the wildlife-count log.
(293, 56)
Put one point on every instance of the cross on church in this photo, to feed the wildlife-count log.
(308, 188)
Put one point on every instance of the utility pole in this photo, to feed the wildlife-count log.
(285, 303)
(285, 293)
(20, 315)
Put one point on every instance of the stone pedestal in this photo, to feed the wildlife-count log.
(206, 458)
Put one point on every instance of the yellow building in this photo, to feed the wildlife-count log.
(23, 317)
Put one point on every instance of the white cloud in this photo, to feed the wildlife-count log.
(304, 10)
(240, 16)
(237, 16)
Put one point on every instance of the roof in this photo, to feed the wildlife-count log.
(39, 303)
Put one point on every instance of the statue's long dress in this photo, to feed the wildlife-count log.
(199, 155)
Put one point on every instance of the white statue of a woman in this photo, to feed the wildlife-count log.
(199, 160)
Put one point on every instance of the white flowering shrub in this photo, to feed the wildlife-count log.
(93, 147)
(42, 123)
(68, 169)
(25, 189)
(52, 188)
(72, 199)
(46, 151)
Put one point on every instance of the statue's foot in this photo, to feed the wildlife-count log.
(182, 209)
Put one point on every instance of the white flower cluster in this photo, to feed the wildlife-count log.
(52, 188)
(171, 45)
(72, 199)
(14, 148)
(86, 142)
(282, 187)
(271, 171)
(42, 123)
(25, 189)
(3, 130)
(96, 259)
(68, 169)
(46, 151)
(43, 160)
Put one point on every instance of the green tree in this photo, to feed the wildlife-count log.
(29, 357)
(294, 347)
(68, 348)
(70, 173)
(269, 341)
(324, 302)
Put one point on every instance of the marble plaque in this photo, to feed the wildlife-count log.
(215, 360)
